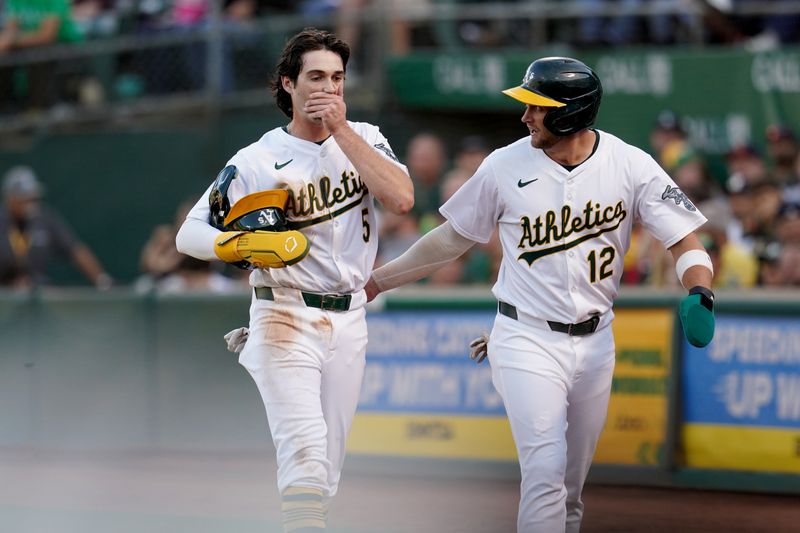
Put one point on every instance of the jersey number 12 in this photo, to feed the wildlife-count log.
(600, 270)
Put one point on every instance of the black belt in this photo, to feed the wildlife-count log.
(581, 328)
(326, 302)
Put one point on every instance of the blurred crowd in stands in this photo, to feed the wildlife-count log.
(752, 233)
(158, 67)
(753, 205)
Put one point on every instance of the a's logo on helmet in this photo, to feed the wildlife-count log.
(267, 217)
(290, 244)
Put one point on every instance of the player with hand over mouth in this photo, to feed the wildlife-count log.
(297, 206)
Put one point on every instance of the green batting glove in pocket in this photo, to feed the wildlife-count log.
(697, 316)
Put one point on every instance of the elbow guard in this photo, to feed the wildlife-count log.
(255, 230)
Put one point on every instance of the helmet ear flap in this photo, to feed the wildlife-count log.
(575, 116)
(218, 202)
(555, 123)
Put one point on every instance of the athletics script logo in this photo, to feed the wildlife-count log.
(589, 223)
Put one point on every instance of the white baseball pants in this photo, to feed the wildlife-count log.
(555, 389)
(308, 365)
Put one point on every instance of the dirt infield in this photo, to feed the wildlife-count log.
(204, 493)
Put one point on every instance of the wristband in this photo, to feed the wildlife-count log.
(692, 258)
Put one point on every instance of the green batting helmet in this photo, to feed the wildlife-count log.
(569, 87)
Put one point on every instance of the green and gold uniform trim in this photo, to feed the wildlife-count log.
(328, 216)
(303, 509)
(313, 198)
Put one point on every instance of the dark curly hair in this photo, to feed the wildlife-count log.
(291, 61)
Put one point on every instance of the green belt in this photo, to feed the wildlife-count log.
(326, 302)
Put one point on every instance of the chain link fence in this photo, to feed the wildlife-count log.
(132, 62)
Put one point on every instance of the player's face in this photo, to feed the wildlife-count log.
(322, 71)
(540, 136)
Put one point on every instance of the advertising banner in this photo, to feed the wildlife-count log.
(635, 428)
(423, 396)
(741, 399)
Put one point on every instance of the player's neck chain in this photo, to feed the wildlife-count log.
(543, 232)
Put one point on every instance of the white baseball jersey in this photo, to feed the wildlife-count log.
(328, 202)
(564, 233)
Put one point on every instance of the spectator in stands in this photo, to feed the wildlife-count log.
(769, 269)
(167, 270)
(667, 132)
(783, 27)
(95, 18)
(426, 159)
(194, 275)
(481, 263)
(403, 34)
(790, 260)
(779, 265)
(783, 150)
(159, 257)
(740, 202)
(610, 22)
(184, 67)
(734, 265)
(472, 150)
(471, 153)
(688, 168)
(787, 224)
(746, 160)
(754, 206)
(31, 235)
(791, 191)
(396, 235)
(766, 204)
(33, 24)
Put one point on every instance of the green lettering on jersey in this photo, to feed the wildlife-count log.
(593, 217)
(312, 199)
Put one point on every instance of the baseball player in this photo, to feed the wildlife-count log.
(564, 199)
(297, 206)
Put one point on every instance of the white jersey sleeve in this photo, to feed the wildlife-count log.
(476, 207)
(381, 144)
(662, 207)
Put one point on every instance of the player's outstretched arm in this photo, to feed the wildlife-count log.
(695, 272)
(434, 250)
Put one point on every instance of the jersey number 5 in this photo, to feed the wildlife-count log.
(600, 270)
(365, 223)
